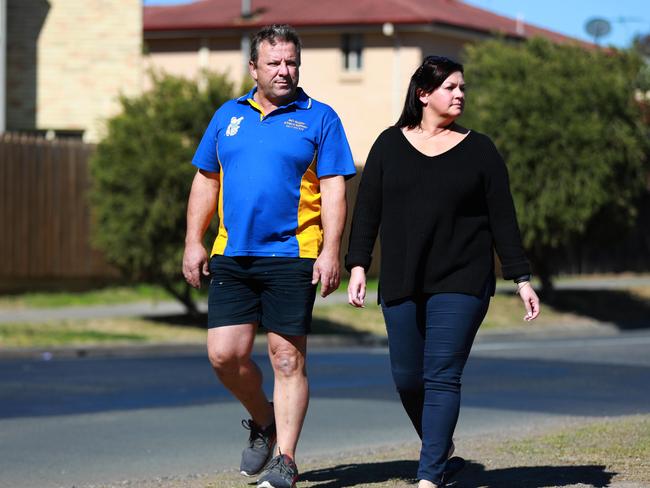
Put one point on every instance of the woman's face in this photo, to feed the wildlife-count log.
(448, 100)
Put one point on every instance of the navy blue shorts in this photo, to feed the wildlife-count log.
(274, 292)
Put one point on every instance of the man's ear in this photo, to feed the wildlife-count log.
(252, 69)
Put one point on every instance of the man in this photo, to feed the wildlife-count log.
(274, 163)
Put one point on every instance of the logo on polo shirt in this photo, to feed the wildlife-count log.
(295, 124)
(233, 127)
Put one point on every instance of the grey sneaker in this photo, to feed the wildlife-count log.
(260, 447)
(281, 472)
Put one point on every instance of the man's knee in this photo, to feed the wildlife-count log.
(225, 360)
(287, 362)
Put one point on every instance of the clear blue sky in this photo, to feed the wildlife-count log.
(627, 17)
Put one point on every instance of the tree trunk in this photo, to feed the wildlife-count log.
(543, 271)
(185, 297)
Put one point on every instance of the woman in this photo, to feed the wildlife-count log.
(440, 194)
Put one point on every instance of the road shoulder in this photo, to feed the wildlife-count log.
(577, 452)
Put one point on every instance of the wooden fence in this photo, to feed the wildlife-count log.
(44, 215)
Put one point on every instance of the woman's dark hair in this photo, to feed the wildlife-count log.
(429, 76)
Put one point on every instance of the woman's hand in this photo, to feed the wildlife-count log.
(357, 286)
(530, 299)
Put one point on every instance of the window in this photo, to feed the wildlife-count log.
(352, 50)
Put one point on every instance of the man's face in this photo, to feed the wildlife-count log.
(276, 71)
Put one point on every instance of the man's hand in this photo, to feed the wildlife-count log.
(195, 263)
(357, 287)
(327, 271)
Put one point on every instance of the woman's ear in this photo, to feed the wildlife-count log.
(423, 97)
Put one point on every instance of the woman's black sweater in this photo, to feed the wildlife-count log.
(440, 217)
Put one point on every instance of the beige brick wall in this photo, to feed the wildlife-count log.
(368, 100)
(185, 57)
(68, 60)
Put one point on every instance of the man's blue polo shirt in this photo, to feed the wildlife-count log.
(269, 168)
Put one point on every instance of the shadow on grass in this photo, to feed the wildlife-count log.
(181, 320)
(345, 475)
(473, 476)
(325, 326)
(319, 325)
(619, 307)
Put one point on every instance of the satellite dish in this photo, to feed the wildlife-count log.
(598, 28)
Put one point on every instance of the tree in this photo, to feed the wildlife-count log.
(565, 119)
(641, 45)
(141, 174)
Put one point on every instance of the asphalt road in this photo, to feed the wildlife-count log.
(78, 422)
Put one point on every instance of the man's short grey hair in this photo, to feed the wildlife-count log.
(272, 34)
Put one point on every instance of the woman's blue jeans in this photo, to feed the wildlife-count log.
(429, 338)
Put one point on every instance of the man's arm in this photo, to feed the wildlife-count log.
(200, 210)
(333, 213)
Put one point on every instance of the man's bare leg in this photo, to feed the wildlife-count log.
(229, 351)
(291, 388)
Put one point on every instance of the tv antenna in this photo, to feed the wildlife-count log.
(598, 28)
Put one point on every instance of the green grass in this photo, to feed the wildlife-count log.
(621, 445)
(619, 441)
(104, 296)
(111, 295)
(59, 336)
(96, 332)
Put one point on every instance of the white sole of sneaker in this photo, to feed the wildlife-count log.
(266, 484)
(244, 473)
